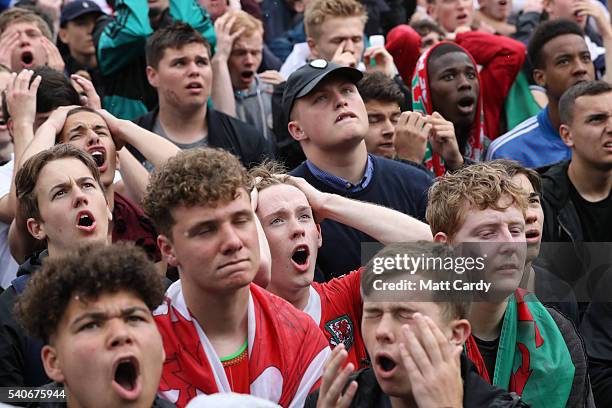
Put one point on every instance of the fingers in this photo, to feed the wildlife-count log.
(339, 51)
(271, 77)
(93, 99)
(334, 379)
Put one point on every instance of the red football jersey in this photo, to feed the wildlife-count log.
(286, 351)
(336, 306)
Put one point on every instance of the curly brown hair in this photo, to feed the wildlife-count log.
(27, 176)
(480, 185)
(197, 177)
(88, 273)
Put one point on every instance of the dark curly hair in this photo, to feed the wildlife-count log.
(197, 177)
(88, 273)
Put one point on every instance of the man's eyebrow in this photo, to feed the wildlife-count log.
(534, 194)
(97, 316)
(303, 208)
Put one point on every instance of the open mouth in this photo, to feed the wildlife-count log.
(126, 378)
(385, 364)
(300, 256)
(503, 3)
(85, 221)
(126, 374)
(345, 115)
(466, 104)
(608, 145)
(194, 85)
(532, 234)
(99, 157)
(462, 17)
(247, 74)
(27, 59)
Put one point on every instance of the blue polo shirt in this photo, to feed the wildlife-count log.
(533, 143)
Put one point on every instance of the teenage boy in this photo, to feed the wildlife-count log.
(560, 58)
(221, 332)
(324, 112)
(415, 346)
(92, 309)
(290, 211)
(63, 202)
(480, 209)
(179, 68)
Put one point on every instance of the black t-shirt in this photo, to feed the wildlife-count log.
(488, 351)
(595, 218)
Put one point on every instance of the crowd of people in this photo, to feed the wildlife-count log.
(204, 203)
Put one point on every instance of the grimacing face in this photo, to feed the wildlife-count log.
(107, 352)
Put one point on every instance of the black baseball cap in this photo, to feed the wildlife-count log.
(78, 8)
(306, 78)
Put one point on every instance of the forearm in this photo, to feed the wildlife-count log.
(135, 177)
(606, 36)
(156, 149)
(262, 278)
(382, 223)
(22, 136)
(222, 92)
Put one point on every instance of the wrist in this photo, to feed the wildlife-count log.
(409, 156)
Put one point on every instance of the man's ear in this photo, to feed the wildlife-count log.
(539, 77)
(152, 76)
(51, 363)
(167, 249)
(432, 10)
(441, 237)
(313, 48)
(296, 131)
(566, 135)
(460, 331)
(10, 125)
(546, 6)
(63, 35)
(36, 229)
(320, 236)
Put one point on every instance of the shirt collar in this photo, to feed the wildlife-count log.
(340, 183)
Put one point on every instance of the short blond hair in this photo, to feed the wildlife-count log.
(16, 15)
(480, 185)
(244, 20)
(318, 11)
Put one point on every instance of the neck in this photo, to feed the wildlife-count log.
(408, 402)
(350, 166)
(591, 183)
(486, 319)
(183, 126)
(463, 135)
(553, 113)
(86, 60)
(528, 281)
(5, 151)
(221, 315)
(297, 297)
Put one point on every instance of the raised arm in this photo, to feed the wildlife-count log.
(382, 223)
(501, 59)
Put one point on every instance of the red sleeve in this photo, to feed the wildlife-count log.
(403, 43)
(501, 59)
(345, 294)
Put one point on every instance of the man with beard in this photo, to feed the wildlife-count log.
(560, 58)
(120, 48)
(516, 343)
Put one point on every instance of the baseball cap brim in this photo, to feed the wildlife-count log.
(351, 73)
